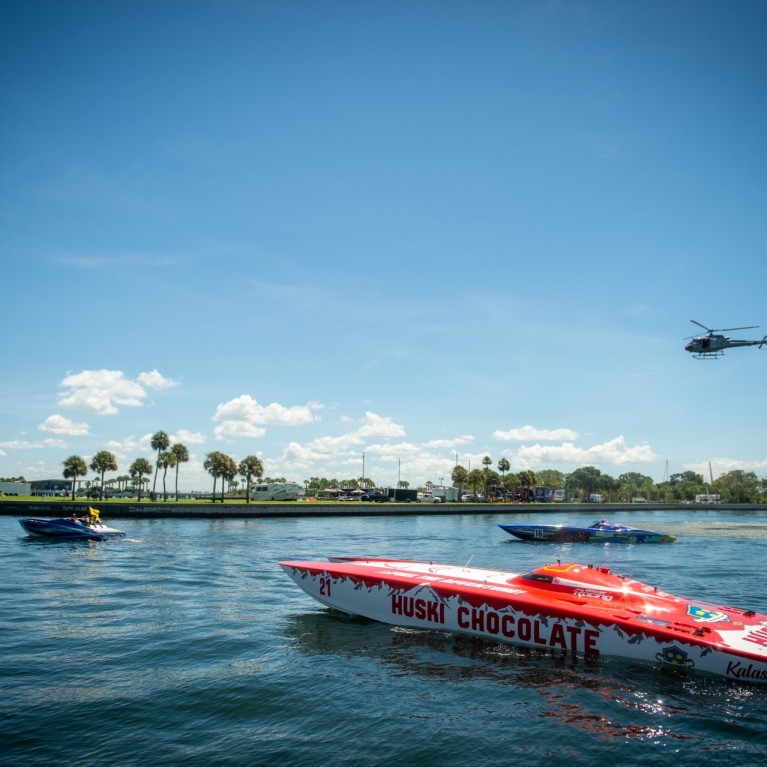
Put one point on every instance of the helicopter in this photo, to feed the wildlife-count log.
(713, 344)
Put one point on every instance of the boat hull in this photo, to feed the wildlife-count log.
(496, 605)
(570, 534)
(68, 530)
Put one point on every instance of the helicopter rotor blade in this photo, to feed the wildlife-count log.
(722, 330)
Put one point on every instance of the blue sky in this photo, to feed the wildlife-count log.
(419, 231)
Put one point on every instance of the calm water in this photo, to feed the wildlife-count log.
(185, 643)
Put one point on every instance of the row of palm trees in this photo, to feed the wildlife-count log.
(221, 465)
(217, 464)
(168, 457)
(481, 480)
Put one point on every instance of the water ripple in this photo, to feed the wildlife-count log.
(186, 643)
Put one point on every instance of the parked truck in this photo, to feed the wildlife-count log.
(402, 495)
(446, 494)
(551, 495)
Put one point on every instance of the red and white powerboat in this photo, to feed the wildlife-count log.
(570, 608)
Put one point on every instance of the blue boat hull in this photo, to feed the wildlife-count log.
(68, 530)
(570, 534)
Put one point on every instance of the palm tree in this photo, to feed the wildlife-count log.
(228, 471)
(74, 467)
(160, 441)
(503, 467)
(182, 456)
(103, 462)
(220, 465)
(487, 475)
(137, 470)
(167, 460)
(459, 478)
(210, 464)
(250, 467)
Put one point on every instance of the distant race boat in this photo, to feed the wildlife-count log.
(601, 531)
(87, 528)
(566, 608)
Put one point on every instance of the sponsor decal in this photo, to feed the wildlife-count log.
(674, 656)
(502, 625)
(420, 609)
(593, 594)
(738, 669)
(757, 637)
(701, 615)
(528, 630)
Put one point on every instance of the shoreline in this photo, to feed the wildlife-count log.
(278, 509)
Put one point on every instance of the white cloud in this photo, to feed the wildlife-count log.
(237, 429)
(144, 444)
(329, 446)
(613, 453)
(530, 433)
(243, 416)
(123, 447)
(379, 426)
(22, 444)
(388, 461)
(186, 437)
(102, 391)
(344, 448)
(245, 408)
(154, 380)
(57, 424)
(372, 426)
(721, 466)
(394, 451)
(449, 444)
(304, 455)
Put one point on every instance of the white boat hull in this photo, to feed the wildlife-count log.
(430, 605)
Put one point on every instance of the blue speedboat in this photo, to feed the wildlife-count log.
(88, 528)
(601, 531)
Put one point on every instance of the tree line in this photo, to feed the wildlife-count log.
(736, 486)
(733, 487)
